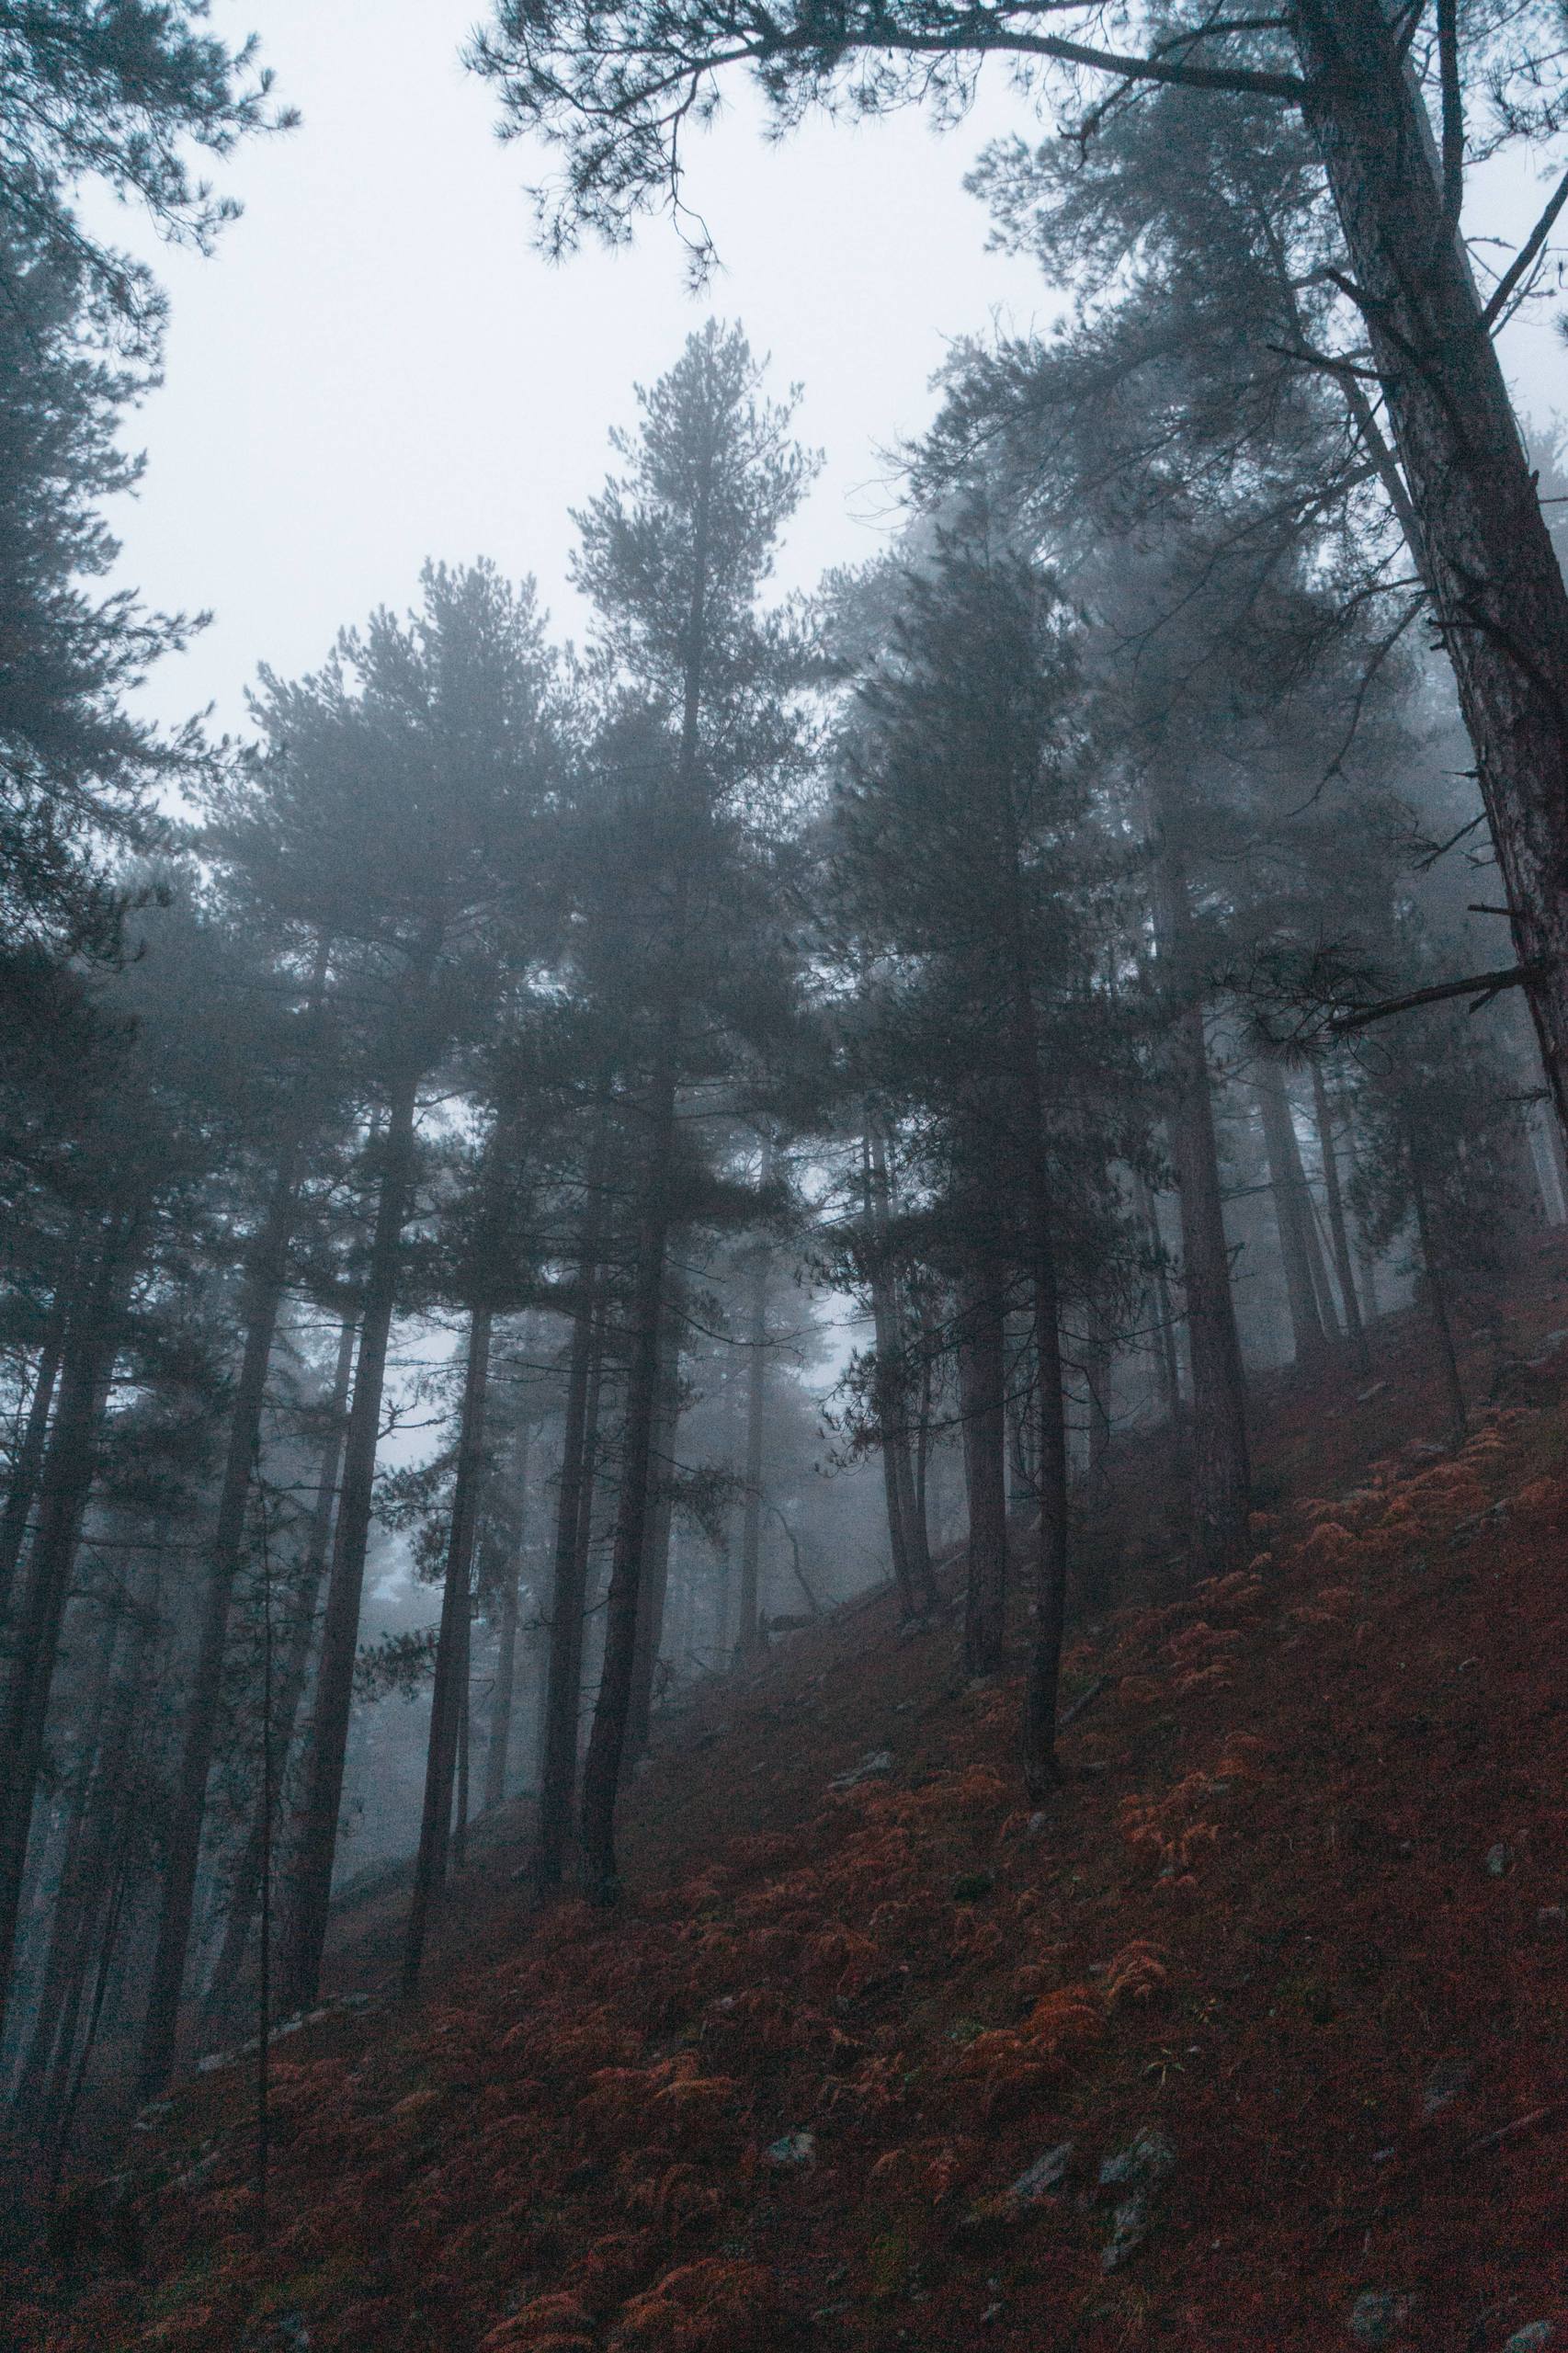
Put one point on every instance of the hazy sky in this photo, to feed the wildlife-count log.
(375, 366)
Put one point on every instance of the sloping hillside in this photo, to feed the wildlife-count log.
(1258, 2037)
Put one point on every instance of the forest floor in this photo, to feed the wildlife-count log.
(1255, 2037)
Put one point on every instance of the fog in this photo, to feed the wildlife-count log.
(693, 965)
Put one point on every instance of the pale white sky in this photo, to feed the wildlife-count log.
(375, 366)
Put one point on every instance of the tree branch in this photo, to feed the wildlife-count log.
(1526, 256)
(1477, 984)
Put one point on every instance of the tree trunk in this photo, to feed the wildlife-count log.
(982, 1390)
(757, 1385)
(1306, 1325)
(607, 1741)
(1436, 1302)
(301, 1972)
(266, 1276)
(22, 1491)
(1482, 545)
(650, 1603)
(76, 1892)
(884, 1324)
(447, 1697)
(563, 1674)
(500, 1735)
(1167, 1373)
(1220, 1471)
(70, 1463)
(1338, 1232)
(293, 1667)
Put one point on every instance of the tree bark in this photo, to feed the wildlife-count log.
(1483, 547)
(500, 1732)
(1437, 1302)
(447, 1697)
(265, 1278)
(607, 1741)
(650, 1602)
(756, 1383)
(982, 1390)
(563, 1674)
(1220, 1471)
(306, 1937)
(1339, 1232)
(22, 1491)
(69, 1464)
(79, 1885)
(1167, 1373)
(1306, 1324)
(293, 1667)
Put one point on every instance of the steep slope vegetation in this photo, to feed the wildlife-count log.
(1258, 2037)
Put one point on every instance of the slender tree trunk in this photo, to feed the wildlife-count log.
(607, 1741)
(1338, 1232)
(267, 1277)
(1167, 1373)
(22, 1491)
(76, 1892)
(982, 1388)
(1220, 1471)
(1437, 1302)
(458, 1856)
(306, 1938)
(500, 1739)
(70, 1463)
(449, 1697)
(1306, 1325)
(656, 1583)
(884, 1326)
(293, 1667)
(563, 1674)
(1482, 544)
(921, 1523)
(756, 1388)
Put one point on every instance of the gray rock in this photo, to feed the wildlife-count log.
(1534, 2334)
(879, 1760)
(792, 2149)
(1045, 2174)
(1447, 2079)
(1377, 2317)
(1148, 2160)
(1496, 1860)
(1130, 2228)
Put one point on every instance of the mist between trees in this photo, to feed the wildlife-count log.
(554, 1168)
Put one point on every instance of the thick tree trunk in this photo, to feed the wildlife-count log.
(499, 1740)
(306, 1938)
(1482, 543)
(563, 1673)
(983, 1394)
(1306, 1324)
(448, 1696)
(266, 1276)
(22, 1493)
(92, 1342)
(1338, 1231)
